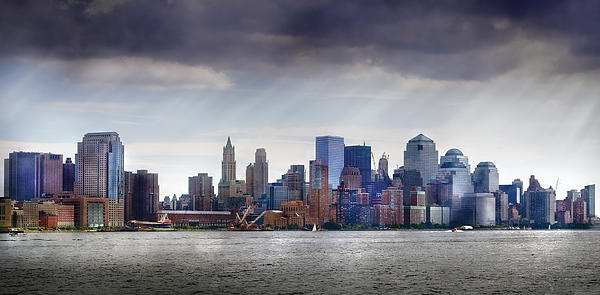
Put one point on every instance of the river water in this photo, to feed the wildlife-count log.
(293, 262)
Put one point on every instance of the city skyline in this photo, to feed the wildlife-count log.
(274, 175)
(514, 83)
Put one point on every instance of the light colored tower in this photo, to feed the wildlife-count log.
(486, 178)
(420, 155)
(228, 163)
(261, 173)
(330, 150)
(382, 167)
(99, 164)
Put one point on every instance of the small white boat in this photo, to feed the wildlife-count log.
(466, 227)
(314, 227)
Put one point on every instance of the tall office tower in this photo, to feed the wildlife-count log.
(201, 190)
(21, 172)
(250, 179)
(574, 194)
(501, 207)
(68, 175)
(514, 191)
(382, 168)
(51, 174)
(539, 203)
(589, 196)
(128, 192)
(144, 203)
(359, 156)
(228, 163)
(455, 155)
(579, 211)
(330, 150)
(318, 195)
(420, 155)
(99, 164)
(351, 178)
(486, 178)
(452, 183)
(261, 173)
(294, 180)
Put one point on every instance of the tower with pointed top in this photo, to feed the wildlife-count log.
(228, 163)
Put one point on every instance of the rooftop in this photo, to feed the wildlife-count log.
(454, 152)
(421, 137)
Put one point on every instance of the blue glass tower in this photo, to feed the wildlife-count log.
(359, 156)
(330, 150)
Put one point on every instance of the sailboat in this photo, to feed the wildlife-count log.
(314, 227)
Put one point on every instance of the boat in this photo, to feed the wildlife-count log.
(16, 233)
(314, 227)
(466, 227)
(454, 230)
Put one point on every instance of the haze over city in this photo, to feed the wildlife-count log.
(507, 83)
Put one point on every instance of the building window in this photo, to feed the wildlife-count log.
(420, 147)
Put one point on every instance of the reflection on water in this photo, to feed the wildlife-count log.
(302, 262)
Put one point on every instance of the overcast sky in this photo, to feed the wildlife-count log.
(512, 82)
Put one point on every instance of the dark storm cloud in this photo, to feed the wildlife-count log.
(436, 39)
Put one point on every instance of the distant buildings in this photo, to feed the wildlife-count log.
(231, 191)
(359, 156)
(479, 209)
(318, 195)
(30, 175)
(100, 166)
(351, 178)
(142, 194)
(201, 191)
(330, 150)
(539, 203)
(421, 156)
(514, 191)
(68, 176)
(589, 196)
(486, 178)
(452, 183)
(294, 179)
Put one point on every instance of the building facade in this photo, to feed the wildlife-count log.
(318, 195)
(100, 166)
(486, 178)
(421, 155)
(330, 150)
(359, 156)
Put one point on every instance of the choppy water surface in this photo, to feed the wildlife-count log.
(302, 262)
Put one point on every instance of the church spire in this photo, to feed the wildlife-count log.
(228, 145)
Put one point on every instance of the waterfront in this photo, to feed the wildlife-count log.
(302, 262)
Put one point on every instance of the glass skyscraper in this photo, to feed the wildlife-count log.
(330, 150)
(359, 156)
(420, 155)
(100, 166)
(486, 178)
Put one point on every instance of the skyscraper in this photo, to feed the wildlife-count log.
(261, 173)
(294, 179)
(318, 195)
(51, 174)
(68, 176)
(99, 161)
(539, 203)
(228, 163)
(201, 190)
(382, 167)
(486, 178)
(452, 183)
(250, 179)
(589, 196)
(359, 156)
(143, 189)
(455, 155)
(330, 150)
(21, 171)
(514, 191)
(30, 175)
(421, 155)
